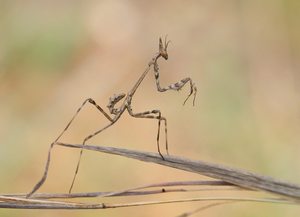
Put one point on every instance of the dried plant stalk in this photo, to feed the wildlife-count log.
(231, 175)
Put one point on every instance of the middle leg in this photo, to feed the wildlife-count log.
(154, 114)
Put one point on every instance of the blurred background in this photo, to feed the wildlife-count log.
(242, 55)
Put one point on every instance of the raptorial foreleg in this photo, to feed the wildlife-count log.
(176, 86)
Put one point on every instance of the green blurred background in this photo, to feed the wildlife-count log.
(243, 56)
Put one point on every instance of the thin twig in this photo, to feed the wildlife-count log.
(115, 194)
(137, 191)
(25, 203)
(234, 176)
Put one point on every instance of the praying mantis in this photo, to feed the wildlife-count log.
(116, 113)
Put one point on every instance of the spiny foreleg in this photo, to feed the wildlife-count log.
(176, 86)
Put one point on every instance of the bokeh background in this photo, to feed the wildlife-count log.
(243, 56)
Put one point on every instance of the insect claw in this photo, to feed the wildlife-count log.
(162, 157)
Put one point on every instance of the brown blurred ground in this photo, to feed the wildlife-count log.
(243, 56)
